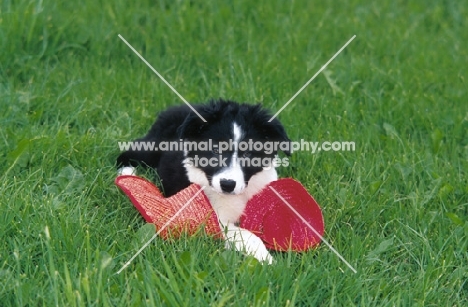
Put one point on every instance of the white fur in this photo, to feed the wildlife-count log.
(127, 170)
(244, 241)
(237, 132)
(234, 171)
(229, 207)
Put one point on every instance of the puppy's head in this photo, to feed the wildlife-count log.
(235, 143)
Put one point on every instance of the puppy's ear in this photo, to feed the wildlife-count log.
(277, 133)
(274, 130)
(191, 128)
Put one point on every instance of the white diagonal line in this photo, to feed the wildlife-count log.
(313, 229)
(161, 77)
(311, 79)
(159, 231)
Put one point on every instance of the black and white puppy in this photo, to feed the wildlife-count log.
(228, 183)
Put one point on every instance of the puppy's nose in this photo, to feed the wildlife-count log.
(227, 185)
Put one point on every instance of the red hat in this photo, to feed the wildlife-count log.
(268, 214)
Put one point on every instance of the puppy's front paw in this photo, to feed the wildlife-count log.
(126, 170)
(245, 241)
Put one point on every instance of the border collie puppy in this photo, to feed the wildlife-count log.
(229, 183)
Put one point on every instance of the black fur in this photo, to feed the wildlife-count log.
(181, 122)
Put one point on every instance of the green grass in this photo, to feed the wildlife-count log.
(396, 208)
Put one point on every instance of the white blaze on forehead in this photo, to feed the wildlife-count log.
(237, 135)
(234, 170)
(237, 132)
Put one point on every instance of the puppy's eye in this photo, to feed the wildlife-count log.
(246, 154)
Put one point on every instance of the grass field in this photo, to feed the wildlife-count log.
(396, 208)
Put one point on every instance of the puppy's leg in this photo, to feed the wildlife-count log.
(244, 241)
(128, 160)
